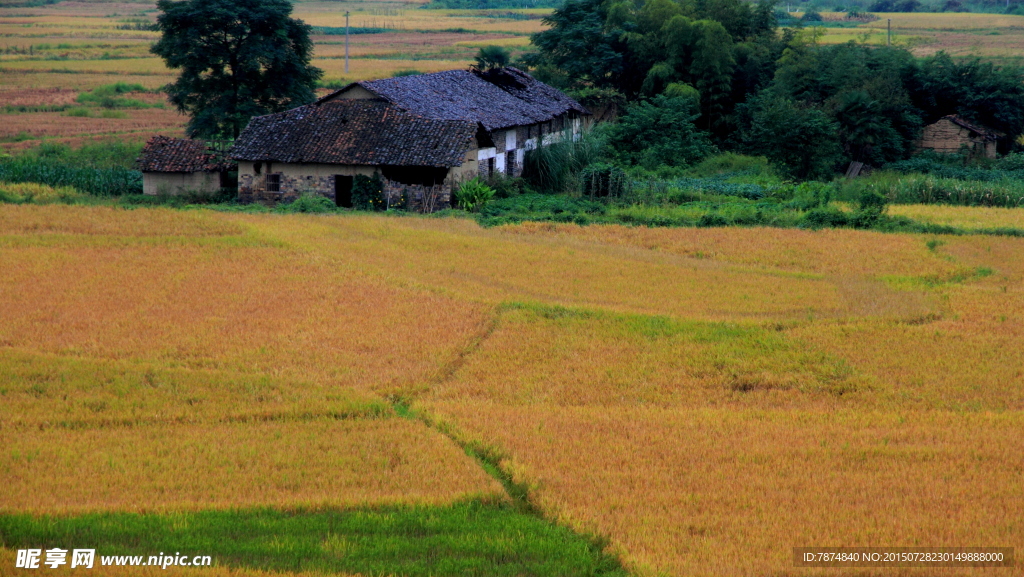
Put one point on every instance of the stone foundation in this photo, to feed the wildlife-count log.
(411, 197)
(252, 188)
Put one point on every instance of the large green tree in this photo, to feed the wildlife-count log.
(238, 59)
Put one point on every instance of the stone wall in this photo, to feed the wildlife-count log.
(418, 198)
(295, 180)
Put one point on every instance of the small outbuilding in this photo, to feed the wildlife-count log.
(178, 165)
(952, 134)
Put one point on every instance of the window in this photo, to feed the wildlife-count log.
(273, 183)
(510, 162)
(490, 166)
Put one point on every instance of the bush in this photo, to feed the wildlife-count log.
(731, 163)
(810, 195)
(368, 193)
(824, 218)
(506, 187)
(712, 219)
(309, 203)
(473, 195)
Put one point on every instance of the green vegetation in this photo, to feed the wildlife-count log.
(810, 108)
(109, 96)
(96, 181)
(463, 539)
(473, 195)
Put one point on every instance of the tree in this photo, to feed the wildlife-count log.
(660, 132)
(492, 58)
(238, 59)
(712, 70)
(799, 138)
(577, 43)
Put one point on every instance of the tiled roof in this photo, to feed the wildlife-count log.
(366, 132)
(166, 154)
(496, 99)
(986, 132)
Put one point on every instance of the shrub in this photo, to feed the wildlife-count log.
(506, 187)
(731, 163)
(712, 219)
(368, 193)
(809, 195)
(824, 217)
(308, 203)
(473, 195)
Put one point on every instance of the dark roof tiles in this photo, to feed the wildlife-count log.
(363, 132)
(977, 128)
(496, 99)
(166, 154)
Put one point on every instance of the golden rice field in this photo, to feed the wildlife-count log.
(76, 46)
(992, 36)
(705, 399)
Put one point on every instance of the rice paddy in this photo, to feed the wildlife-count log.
(370, 395)
(692, 398)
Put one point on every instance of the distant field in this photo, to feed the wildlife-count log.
(696, 397)
(74, 46)
(996, 36)
(975, 217)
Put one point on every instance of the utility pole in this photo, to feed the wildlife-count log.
(888, 33)
(346, 42)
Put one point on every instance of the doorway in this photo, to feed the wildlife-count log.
(343, 191)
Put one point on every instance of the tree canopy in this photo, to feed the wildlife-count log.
(809, 106)
(238, 59)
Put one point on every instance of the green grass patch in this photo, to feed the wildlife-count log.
(465, 539)
(930, 282)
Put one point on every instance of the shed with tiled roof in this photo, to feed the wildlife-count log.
(176, 165)
(953, 134)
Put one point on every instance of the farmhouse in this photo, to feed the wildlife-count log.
(320, 148)
(421, 134)
(516, 111)
(177, 165)
(952, 134)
